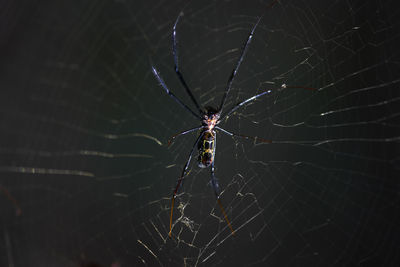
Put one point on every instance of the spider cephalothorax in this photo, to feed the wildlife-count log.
(210, 119)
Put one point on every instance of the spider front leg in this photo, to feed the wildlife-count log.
(177, 71)
(239, 61)
(179, 184)
(172, 95)
(241, 57)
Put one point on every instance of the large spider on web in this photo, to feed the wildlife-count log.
(210, 118)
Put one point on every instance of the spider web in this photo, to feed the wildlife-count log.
(86, 176)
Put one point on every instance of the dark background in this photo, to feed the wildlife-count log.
(85, 173)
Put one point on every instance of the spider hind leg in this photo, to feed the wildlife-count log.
(217, 191)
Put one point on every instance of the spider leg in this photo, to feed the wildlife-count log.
(240, 59)
(255, 138)
(217, 191)
(171, 140)
(162, 83)
(249, 100)
(180, 76)
(179, 183)
(234, 71)
(18, 210)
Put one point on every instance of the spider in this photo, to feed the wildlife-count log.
(210, 118)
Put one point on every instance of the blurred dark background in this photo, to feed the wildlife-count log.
(85, 173)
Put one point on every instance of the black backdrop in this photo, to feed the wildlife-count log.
(85, 172)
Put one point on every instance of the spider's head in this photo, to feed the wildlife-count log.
(210, 117)
(210, 111)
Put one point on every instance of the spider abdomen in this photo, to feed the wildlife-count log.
(206, 149)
